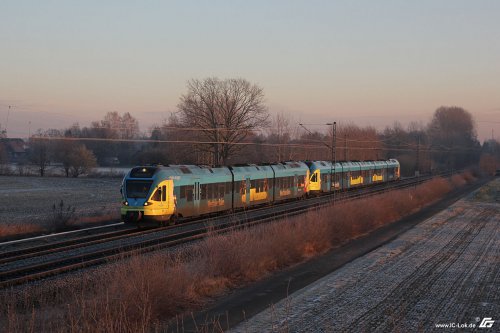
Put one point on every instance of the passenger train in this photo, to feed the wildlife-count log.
(163, 194)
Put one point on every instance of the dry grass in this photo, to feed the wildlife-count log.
(54, 223)
(8, 231)
(136, 295)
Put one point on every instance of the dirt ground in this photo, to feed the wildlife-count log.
(30, 199)
(444, 271)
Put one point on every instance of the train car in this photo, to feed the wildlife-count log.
(252, 185)
(350, 174)
(379, 173)
(201, 190)
(366, 169)
(161, 194)
(291, 180)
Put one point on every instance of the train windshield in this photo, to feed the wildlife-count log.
(138, 189)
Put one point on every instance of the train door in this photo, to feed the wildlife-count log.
(295, 185)
(247, 191)
(163, 194)
(196, 197)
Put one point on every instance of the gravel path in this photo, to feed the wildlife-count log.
(446, 270)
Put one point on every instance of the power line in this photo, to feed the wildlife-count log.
(291, 145)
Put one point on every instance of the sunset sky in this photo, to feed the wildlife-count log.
(362, 62)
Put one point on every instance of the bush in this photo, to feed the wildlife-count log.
(61, 216)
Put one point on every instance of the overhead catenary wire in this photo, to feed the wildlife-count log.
(291, 145)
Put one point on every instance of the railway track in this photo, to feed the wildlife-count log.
(38, 262)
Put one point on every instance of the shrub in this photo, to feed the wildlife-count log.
(61, 216)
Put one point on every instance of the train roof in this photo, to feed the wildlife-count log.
(181, 173)
(326, 166)
(251, 171)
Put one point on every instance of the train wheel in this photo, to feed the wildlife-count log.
(173, 220)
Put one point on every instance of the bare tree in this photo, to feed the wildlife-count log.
(358, 143)
(41, 149)
(112, 127)
(224, 111)
(80, 160)
(280, 134)
(453, 137)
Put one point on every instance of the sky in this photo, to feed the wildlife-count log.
(359, 62)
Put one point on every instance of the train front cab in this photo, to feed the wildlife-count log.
(393, 170)
(147, 198)
(320, 180)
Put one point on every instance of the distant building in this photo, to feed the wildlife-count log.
(13, 150)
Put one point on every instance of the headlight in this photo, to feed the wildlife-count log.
(125, 203)
(148, 203)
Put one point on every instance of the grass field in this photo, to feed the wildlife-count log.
(27, 202)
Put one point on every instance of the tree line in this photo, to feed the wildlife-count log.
(221, 122)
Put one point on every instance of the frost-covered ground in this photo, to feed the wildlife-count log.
(445, 271)
(30, 199)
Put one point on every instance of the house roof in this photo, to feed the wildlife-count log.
(17, 146)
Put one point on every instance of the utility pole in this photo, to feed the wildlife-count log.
(216, 157)
(417, 172)
(7, 122)
(333, 152)
(345, 146)
(334, 157)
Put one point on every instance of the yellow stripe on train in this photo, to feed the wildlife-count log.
(357, 181)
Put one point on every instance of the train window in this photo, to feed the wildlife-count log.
(138, 188)
(263, 185)
(157, 195)
(204, 191)
(211, 190)
(189, 193)
(163, 193)
(314, 178)
(301, 181)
